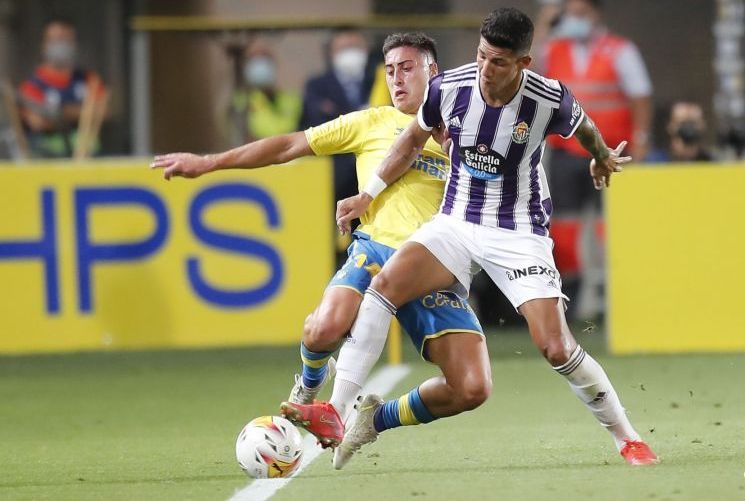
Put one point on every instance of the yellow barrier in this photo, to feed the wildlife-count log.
(108, 255)
(675, 268)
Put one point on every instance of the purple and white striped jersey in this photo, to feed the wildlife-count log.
(496, 178)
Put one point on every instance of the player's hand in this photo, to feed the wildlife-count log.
(442, 136)
(446, 144)
(349, 209)
(440, 133)
(182, 165)
(601, 170)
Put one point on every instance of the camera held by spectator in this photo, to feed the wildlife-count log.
(686, 129)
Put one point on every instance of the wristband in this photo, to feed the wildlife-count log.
(374, 186)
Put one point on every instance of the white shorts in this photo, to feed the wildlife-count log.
(520, 264)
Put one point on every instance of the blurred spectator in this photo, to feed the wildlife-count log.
(260, 108)
(343, 88)
(605, 72)
(608, 76)
(54, 107)
(685, 128)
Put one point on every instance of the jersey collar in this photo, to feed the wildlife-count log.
(513, 100)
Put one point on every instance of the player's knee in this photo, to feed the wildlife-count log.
(308, 324)
(473, 392)
(384, 285)
(555, 351)
(323, 334)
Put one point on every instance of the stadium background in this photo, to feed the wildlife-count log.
(159, 424)
(680, 67)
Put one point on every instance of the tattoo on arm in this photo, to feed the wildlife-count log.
(591, 140)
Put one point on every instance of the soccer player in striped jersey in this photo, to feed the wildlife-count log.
(441, 325)
(494, 215)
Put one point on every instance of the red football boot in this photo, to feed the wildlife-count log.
(319, 418)
(638, 453)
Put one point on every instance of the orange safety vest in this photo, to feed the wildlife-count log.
(598, 89)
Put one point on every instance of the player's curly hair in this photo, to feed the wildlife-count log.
(508, 28)
(418, 40)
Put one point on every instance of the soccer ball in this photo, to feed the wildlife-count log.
(269, 447)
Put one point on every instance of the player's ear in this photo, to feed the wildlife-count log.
(433, 69)
(524, 61)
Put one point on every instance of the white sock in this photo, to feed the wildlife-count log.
(362, 348)
(344, 395)
(590, 383)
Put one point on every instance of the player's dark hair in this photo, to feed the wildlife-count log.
(508, 28)
(418, 40)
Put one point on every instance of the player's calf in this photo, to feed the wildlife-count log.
(466, 381)
(321, 335)
(589, 382)
(376, 416)
(556, 350)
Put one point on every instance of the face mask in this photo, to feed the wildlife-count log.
(350, 63)
(689, 132)
(60, 53)
(260, 72)
(575, 27)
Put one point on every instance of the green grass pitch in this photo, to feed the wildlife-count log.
(162, 425)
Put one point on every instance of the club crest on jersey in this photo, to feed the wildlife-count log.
(482, 162)
(521, 132)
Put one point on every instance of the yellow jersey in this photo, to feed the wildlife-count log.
(409, 202)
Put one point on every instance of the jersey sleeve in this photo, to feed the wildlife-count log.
(429, 115)
(568, 116)
(344, 134)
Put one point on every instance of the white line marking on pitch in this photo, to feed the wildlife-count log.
(382, 382)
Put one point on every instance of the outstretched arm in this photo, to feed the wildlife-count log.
(402, 153)
(269, 151)
(399, 158)
(605, 161)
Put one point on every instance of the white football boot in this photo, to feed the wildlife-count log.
(302, 395)
(362, 432)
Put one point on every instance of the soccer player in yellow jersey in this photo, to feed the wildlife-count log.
(441, 325)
